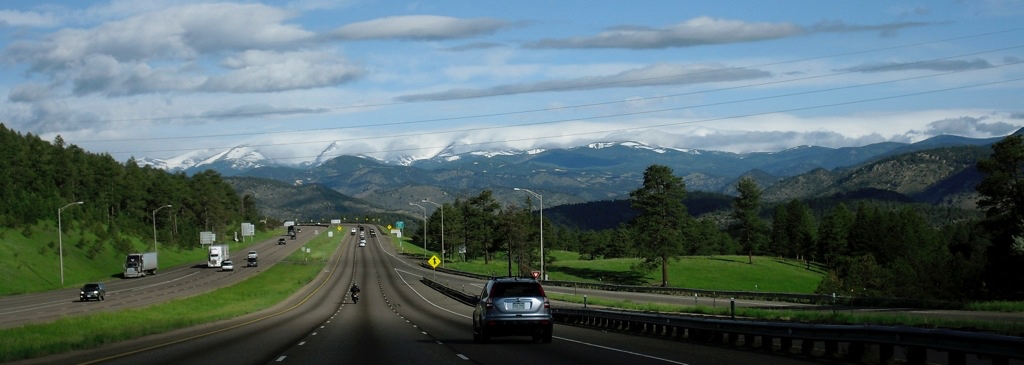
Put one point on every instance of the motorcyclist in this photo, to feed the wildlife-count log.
(355, 292)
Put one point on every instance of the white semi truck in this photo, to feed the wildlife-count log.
(140, 264)
(218, 253)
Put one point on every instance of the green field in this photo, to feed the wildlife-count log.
(251, 295)
(696, 272)
(33, 265)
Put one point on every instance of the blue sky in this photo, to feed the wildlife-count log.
(389, 79)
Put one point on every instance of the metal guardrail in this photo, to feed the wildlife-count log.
(792, 337)
(458, 295)
(857, 338)
(821, 299)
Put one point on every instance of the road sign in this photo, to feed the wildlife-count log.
(434, 261)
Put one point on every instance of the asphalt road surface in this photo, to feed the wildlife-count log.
(397, 320)
(165, 285)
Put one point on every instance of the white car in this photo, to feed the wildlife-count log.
(353, 231)
(227, 265)
(362, 243)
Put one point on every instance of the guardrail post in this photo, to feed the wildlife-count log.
(807, 347)
(768, 343)
(748, 340)
(831, 349)
(885, 353)
(917, 356)
(786, 344)
(732, 307)
(856, 351)
(956, 358)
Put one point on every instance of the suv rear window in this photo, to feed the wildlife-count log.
(513, 289)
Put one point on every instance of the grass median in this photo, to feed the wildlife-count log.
(257, 293)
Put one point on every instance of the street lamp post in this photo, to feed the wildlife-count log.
(154, 225)
(441, 207)
(543, 275)
(424, 228)
(60, 240)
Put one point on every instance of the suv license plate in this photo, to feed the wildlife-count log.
(519, 305)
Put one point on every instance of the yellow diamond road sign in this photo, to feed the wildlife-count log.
(434, 261)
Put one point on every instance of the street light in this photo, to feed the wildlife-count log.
(60, 240)
(439, 206)
(154, 225)
(543, 276)
(424, 228)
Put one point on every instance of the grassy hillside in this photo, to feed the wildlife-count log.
(703, 272)
(31, 263)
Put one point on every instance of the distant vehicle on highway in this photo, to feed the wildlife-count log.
(227, 265)
(281, 241)
(92, 291)
(362, 243)
(218, 254)
(353, 231)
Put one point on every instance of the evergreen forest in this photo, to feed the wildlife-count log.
(40, 180)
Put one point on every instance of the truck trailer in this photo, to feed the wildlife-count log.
(218, 253)
(140, 264)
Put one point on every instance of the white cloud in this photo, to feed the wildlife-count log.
(419, 27)
(265, 71)
(12, 18)
(177, 33)
(651, 75)
(694, 32)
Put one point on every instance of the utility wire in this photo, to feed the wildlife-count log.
(648, 112)
(584, 86)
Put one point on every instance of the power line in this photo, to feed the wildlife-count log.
(236, 115)
(739, 116)
(647, 112)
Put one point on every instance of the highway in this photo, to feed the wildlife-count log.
(397, 320)
(165, 285)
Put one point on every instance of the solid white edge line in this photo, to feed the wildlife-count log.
(623, 351)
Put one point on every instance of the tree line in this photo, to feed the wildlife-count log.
(119, 199)
(869, 249)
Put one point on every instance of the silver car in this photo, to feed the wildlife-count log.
(510, 306)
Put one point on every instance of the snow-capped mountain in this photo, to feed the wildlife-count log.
(243, 157)
(181, 162)
(237, 158)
